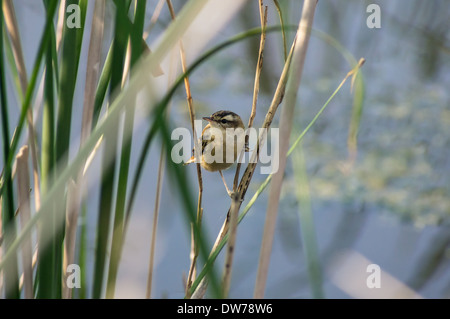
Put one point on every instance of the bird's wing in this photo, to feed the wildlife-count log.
(206, 137)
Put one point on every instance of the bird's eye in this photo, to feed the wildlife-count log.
(223, 121)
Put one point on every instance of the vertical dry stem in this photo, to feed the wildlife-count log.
(23, 187)
(72, 207)
(235, 199)
(155, 222)
(161, 169)
(298, 59)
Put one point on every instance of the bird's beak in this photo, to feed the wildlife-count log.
(208, 119)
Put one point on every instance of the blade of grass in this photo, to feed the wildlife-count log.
(56, 50)
(71, 47)
(10, 273)
(13, 69)
(102, 87)
(1, 249)
(359, 89)
(121, 33)
(159, 181)
(307, 228)
(280, 14)
(83, 4)
(181, 182)
(82, 254)
(117, 239)
(46, 263)
(357, 109)
(13, 31)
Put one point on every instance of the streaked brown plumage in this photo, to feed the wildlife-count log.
(221, 120)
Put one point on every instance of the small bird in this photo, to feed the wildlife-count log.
(219, 137)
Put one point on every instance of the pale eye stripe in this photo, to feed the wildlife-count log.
(229, 118)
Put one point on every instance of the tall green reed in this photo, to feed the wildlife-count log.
(11, 277)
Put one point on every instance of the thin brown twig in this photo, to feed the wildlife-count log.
(256, 85)
(161, 168)
(159, 182)
(235, 199)
(154, 18)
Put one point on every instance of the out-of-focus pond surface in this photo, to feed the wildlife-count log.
(391, 206)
